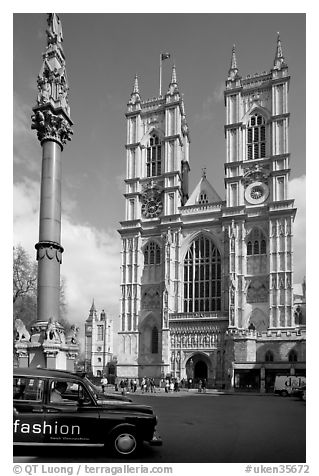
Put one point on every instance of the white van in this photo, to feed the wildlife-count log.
(285, 384)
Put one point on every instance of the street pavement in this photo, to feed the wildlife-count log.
(212, 428)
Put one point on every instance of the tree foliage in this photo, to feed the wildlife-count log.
(25, 289)
(24, 274)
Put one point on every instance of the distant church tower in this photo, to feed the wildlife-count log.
(98, 342)
(206, 282)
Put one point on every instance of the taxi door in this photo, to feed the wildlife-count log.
(28, 396)
(71, 419)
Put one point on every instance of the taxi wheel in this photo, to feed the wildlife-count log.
(124, 442)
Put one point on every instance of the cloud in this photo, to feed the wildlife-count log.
(24, 139)
(208, 106)
(297, 191)
(207, 111)
(219, 93)
(91, 260)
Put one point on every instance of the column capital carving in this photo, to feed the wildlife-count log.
(54, 126)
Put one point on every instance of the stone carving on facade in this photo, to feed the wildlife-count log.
(151, 298)
(281, 227)
(54, 30)
(257, 291)
(72, 337)
(52, 333)
(298, 315)
(256, 173)
(22, 334)
(51, 126)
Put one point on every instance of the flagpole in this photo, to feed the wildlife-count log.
(160, 75)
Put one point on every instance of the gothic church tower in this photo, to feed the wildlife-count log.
(156, 181)
(258, 210)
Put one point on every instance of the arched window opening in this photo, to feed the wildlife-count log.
(202, 198)
(292, 356)
(154, 340)
(256, 244)
(153, 157)
(152, 254)
(269, 356)
(202, 277)
(263, 250)
(256, 137)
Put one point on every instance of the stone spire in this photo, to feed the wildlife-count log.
(173, 79)
(233, 70)
(136, 88)
(135, 95)
(173, 86)
(51, 117)
(279, 61)
(92, 313)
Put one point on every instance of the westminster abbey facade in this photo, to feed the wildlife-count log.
(207, 281)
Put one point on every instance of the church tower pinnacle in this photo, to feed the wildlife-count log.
(279, 61)
(233, 70)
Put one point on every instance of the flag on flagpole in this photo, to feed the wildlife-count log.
(165, 56)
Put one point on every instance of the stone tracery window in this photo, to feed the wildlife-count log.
(202, 277)
(153, 157)
(152, 253)
(256, 244)
(256, 137)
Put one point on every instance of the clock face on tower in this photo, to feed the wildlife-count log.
(152, 204)
(256, 193)
(152, 207)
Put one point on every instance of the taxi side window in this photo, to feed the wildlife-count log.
(68, 392)
(28, 389)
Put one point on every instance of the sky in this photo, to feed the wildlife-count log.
(103, 53)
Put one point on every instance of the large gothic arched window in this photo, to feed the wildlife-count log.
(256, 137)
(202, 277)
(153, 157)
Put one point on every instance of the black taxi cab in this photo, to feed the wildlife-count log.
(60, 408)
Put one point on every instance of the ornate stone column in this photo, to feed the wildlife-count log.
(51, 120)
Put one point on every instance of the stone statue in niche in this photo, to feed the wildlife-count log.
(298, 314)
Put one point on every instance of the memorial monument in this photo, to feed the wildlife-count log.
(48, 346)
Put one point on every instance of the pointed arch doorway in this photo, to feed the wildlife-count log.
(200, 370)
(197, 367)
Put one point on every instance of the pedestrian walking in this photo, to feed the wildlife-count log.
(104, 383)
(204, 385)
(200, 386)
